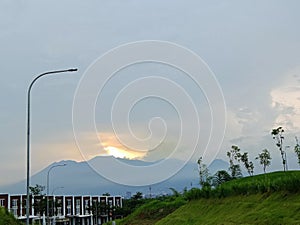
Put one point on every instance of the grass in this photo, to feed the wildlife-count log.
(153, 211)
(263, 183)
(263, 199)
(272, 198)
(275, 208)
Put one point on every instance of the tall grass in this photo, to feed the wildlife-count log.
(264, 183)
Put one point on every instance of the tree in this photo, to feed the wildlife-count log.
(203, 173)
(137, 196)
(40, 202)
(129, 205)
(277, 135)
(175, 192)
(37, 190)
(297, 150)
(248, 165)
(221, 177)
(234, 158)
(264, 159)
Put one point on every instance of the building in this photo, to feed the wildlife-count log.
(65, 209)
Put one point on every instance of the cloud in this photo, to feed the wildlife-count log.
(286, 102)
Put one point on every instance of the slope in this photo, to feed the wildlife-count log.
(272, 198)
(263, 199)
(276, 208)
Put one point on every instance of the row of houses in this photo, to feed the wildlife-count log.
(65, 209)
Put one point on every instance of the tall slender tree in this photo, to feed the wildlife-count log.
(297, 149)
(234, 158)
(203, 173)
(264, 159)
(248, 164)
(277, 135)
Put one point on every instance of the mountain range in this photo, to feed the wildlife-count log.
(78, 178)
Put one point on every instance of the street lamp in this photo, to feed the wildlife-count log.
(28, 133)
(52, 167)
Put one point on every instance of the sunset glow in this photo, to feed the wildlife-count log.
(121, 153)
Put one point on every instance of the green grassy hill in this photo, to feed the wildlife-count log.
(276, 208)
(272, 198)
(153, 211)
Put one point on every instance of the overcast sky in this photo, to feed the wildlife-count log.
(253, 48)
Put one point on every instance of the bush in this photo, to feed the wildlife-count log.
(7, 218)
(154, 210)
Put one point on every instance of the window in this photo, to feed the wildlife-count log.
(69, 206)
(77, 206)
(58, 208)
(86, 206)
(2, 202)
(15, 207)
(118, 202)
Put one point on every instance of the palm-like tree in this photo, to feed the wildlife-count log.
(278, 137)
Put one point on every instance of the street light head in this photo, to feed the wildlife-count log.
(73, 70)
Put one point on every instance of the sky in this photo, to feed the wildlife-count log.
(251, 47)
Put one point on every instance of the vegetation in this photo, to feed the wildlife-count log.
(220, 177)
(153, 210)
(277, 208)
(7, 218)
(262, 199)
(130, 205)
(277, 135)
(248, 164)
(264, 183)
(40, 202)
(234, 157)
(37, 189)
(297, 150)
(264, 159)
(203, 173)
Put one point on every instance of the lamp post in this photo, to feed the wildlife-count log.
(28, 133)
(47, 210)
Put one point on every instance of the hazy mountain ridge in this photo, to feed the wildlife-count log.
(80, 178)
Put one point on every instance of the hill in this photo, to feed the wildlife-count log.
(80, 178)
(263, 199)
(276, 208)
